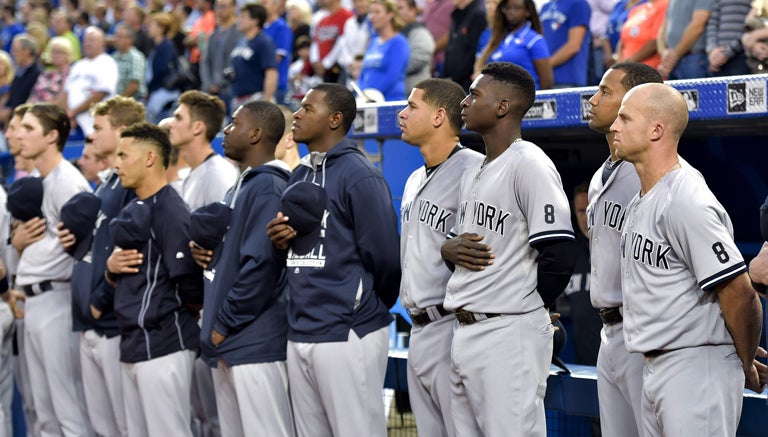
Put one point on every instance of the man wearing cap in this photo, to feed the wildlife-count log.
(43, 274)
(195, 124)
(92, 296)
(157, 282)
(244, 329)
(342, 275)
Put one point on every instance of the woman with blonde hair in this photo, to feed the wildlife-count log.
(386, 60)
(7, 72)
(49, 85)
(298, 15)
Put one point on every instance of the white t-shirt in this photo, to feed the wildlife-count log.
(88, 76)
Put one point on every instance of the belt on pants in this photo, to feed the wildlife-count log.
(611, 316)
(655, 353)
(465, 317)
(39, 288)
(428, 315)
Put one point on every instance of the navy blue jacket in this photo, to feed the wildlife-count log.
(88, 284)
(152, 318)
(162, 60)
(334, 288)
(244, 296)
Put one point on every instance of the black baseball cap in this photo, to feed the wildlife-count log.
(558, 343)
(25, 198)
(304, 204)
(79, 215)
(208, 224)
(131, 228)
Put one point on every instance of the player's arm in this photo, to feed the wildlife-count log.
(467, 251)
(758, 270)
(743, 317)
(256, 285)
(280, 233)
(378, 242)
(555, 264)
(28, 232)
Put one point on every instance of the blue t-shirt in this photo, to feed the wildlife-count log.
(7, 34)
(249, 60)
(482, 42)
(282, 37)
(557, 19)
(522, 48)
(384, 66)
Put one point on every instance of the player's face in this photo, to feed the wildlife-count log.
(10, 135)
(237, 136)
(630, 128)
(89, 164)
(31, 139)
(104, 136)
(416, 119)
(580, 209)
(312, 118)
(180, 129)
(606, 101)
(130, 162)
(478, 109)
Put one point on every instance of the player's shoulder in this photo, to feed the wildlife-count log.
(685, 190)
(168, 202)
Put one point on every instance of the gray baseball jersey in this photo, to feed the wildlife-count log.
(605, 219)
(514, 201)
(208, 182)
(427, 214)
(677, 245)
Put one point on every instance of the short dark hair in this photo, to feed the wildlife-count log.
(270, 118)
(637, 73)
(206, 108)
(581, 188)
(446, 94)
(52, 117)
(149, 133)
(339, 99)
(256, 12)
(516, 79)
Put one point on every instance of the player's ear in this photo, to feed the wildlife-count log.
(255, 135)
(439, 117)
(335, 120)
(656, 131)
(502, 108)
(150, 157)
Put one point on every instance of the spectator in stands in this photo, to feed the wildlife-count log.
(353, 42)
(490, 13)
(681, 41)
(49, 86)
(38, 32)
(10, 26)
(197, 37)
(300, 82)
(216, 53)
(90, 80)
(566, 30)
(24, 50)
(134, 16)
(467, 23)
(326, 32)
(7, 73)
(254, 63)
(723, 37)
(282, 36)
(131, 64)
(386, 59)
(598, 25)
(616, 21)
(162, 64)
(437, 18)
(62, 26)
(299, 16)
(755, 39)
(516, 38)
(100, 17)
(421, 43)
(640, 33)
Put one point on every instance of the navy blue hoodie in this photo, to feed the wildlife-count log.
(153, 319)
(244, 296)
(334, 288)
(88, 284)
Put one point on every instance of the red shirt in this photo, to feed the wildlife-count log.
(328, 29)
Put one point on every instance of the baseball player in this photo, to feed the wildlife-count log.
(688, 304)
(620, 375)
(513, 252)
(156, 284)
(44, 272)
(195, 124)
(245, 324)
(341, 279)
(92, 296)
(432, 122)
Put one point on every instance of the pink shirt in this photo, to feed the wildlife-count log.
(437, 18)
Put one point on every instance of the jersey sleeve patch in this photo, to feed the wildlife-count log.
(562, 234)
(723, 276)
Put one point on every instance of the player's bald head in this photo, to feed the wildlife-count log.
(661, 102)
